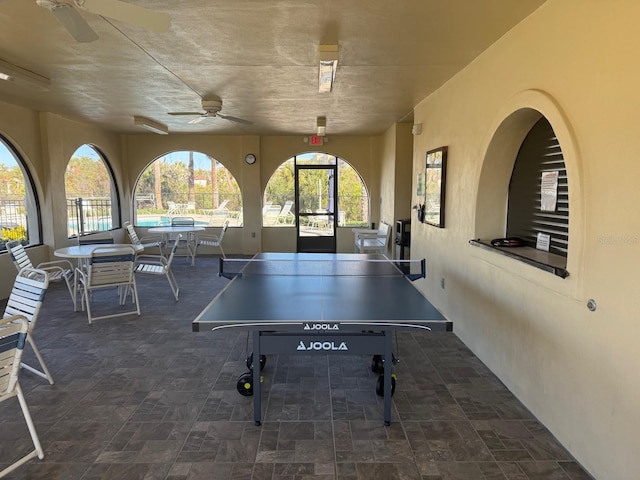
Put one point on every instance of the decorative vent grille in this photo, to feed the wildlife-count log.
(540, 152)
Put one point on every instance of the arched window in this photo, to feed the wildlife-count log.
(91, 193)
(19, 212)
(187, 183)
(353, 197)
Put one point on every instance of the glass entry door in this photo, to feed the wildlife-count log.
(316, 188)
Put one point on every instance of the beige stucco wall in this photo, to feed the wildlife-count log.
(576, 370)
(403, 171)
(395, 178)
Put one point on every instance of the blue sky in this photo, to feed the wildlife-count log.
(6, 157)
(200, 161)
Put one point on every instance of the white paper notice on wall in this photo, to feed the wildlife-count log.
(543, 241)
(549, 191)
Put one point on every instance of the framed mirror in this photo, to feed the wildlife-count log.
(435, 187)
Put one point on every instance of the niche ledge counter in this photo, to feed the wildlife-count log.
(546, 261)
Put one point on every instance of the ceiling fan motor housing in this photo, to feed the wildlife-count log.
(48, 4)
(211, 105)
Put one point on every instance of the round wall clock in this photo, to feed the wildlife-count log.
(250, 158)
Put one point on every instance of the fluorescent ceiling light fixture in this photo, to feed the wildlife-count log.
(321, 126)
(328, 67)
(151, 125)
(13, 73)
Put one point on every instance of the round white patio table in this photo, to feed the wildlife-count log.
(189, 230)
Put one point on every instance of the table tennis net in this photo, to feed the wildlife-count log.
(234, 267)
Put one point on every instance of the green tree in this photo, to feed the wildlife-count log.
(87, 177)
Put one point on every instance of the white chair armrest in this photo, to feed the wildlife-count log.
(81, 275)
(374, 234)
(61, 264)
(358, 231)
(152, 239)
(209, 237)
(152, 259)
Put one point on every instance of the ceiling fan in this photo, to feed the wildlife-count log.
(211, 108)
(67, 13)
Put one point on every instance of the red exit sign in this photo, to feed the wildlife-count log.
(315, 140)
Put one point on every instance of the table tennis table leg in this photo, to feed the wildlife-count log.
(255, 368)
(388, 362)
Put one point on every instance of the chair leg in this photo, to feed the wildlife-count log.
(135, 296)
(87, 304)
(45, 371)
(29, 420)
(72, 292)
(38, 452)
(173, 284)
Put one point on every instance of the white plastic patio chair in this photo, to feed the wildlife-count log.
(109, 266)
(159, 265)
(372, 241)
(57, 270)
(173, 208)
(270, 216)
(286, 216)
(144, 243)
(14, 333)
(190, 208)
(95, 239)
(26, 299)
(188, 241)
(210, 240)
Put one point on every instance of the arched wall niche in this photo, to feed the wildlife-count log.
(513, 122)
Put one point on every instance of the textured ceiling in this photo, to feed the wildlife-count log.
(260, 57)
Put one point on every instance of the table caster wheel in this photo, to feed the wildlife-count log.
(380, 385)
(245, 384)
(263, 361)
(377, 364)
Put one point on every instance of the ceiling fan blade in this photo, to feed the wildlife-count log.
(74, 23)
(126, 12)
(235, 119)
(185, 113)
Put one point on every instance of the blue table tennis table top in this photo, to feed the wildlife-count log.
(277, 301)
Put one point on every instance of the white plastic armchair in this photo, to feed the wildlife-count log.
(173, 209)
(210, 240)
(372, 241)
(286, 216)
(58, 270)
(14, 332)
(109, 266)
(102, 238)
(26, 299)
(144, 243)
(159, 265)
(186, 242)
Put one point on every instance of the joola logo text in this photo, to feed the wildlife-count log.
(321, 326)
(329, 346)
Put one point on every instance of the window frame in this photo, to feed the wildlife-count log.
(115, 207)
(32, 205)
(305, 159)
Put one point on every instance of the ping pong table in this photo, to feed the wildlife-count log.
(306, 303)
